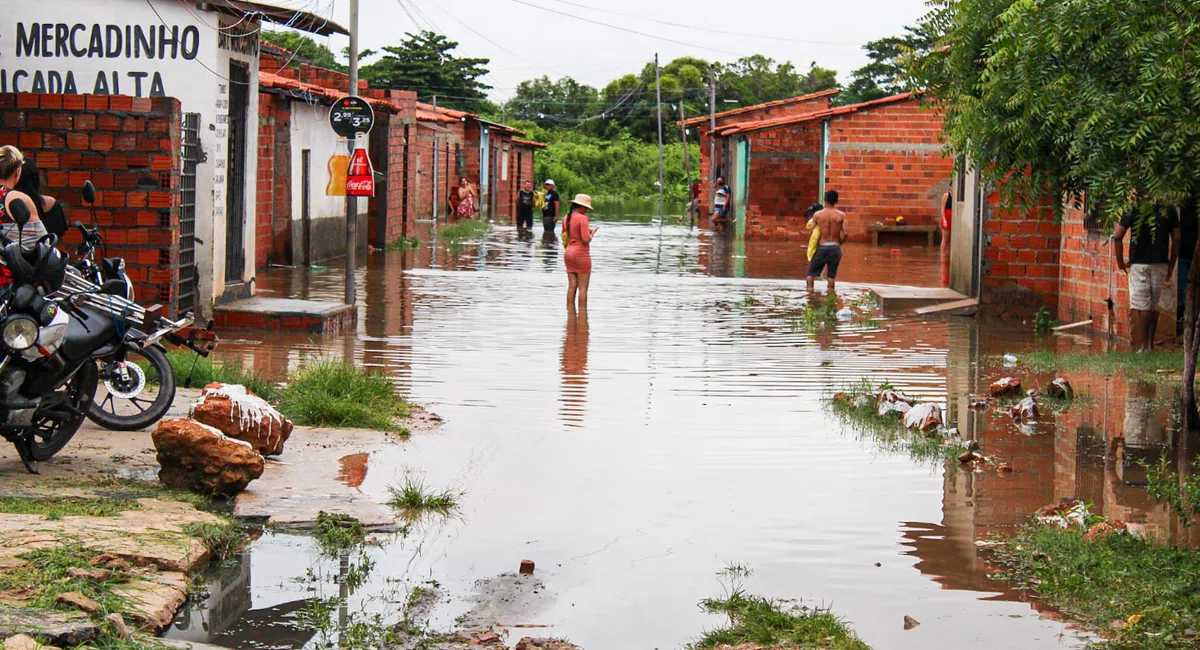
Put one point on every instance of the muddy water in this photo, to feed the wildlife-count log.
(676, 427)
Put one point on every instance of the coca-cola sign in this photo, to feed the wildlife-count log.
(360, 177)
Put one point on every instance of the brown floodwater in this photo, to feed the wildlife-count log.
(677, 427)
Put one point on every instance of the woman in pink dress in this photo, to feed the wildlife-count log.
(578, 256)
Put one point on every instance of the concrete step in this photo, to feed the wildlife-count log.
(285, 314)
(901, 298)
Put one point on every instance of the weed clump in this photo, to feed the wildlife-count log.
(858, 406)
(1131, 364)
(1180, 493)
(46, 573)
(1142, 595)
(414, 498)
(337, 394)
(458, 232)
(195, 371)
(223, 540)
(405, 244)
(772, 623)
(338, 534)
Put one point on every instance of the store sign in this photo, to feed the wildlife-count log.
(99, 58)
(350, 116)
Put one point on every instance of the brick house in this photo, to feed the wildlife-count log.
(156, 111)
(883, 156)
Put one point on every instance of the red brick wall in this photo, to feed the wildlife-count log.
(1088, 276)
(885, 162)
(1020, 258)
(264, 203)
(423, 142)
(784, 176)
(773, 112)
(130, 149)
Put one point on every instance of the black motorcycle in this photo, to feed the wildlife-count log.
(136, 381)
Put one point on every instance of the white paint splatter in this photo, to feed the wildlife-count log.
(248, 408)
(217, 432)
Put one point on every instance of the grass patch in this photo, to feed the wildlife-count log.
(194, 371)
(1142, 366)
(339, 533)
(127, 489)
(45, 575)
(857, 405)
(461, 231)
(337, 394)
(1180, 493)
(59, 507)
(223, 540)
(772, 623)
(1142, 595)
(405, 244)
(414, 498)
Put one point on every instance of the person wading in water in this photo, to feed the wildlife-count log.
(832, 223)
(578, 257)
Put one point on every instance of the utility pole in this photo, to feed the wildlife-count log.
(687, 165)
(352, 201)
(658, 101)
(712, 134)
(437, 199)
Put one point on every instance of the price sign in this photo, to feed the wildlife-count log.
(350, 116)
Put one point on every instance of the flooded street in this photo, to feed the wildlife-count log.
(677, 427)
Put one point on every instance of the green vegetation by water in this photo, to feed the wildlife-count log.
(44, 576)
(414, 498)
(405, 244)
(223, 539)
(57, 507)
(1180, 493)
(460, 231)
(337, 394)
(1142, 595)
(772, 623)
(194, 371)
(857, 406)
(1160, 364)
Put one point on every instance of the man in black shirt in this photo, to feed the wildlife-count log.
(550, 212)
(1153, 250)
(1187, 247)
(525, 207)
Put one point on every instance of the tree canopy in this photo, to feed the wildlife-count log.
(304, 47)
(886, 73)
(1067, 97)
(426, 62)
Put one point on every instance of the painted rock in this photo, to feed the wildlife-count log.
(924, 417)
(240, 414)
(200, 458)
(1060, 389)
(1007, 387)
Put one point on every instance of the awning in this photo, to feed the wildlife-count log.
(295, 19)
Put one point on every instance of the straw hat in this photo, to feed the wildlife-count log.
(583, 200)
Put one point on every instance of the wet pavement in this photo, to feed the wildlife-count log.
(677, 427)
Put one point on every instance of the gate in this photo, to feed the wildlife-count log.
(235, 176)
(189, 277)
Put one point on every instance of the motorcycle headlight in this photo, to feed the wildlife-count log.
(20, 332)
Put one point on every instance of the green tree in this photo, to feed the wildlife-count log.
(548, 103)
(757, 79)
(1062, 97)
(885, 74)
(426, 63)
(304, 47)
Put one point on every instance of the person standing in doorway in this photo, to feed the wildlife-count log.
(550, 212)
(467, 196)
(525, 200)
(1153, 250)
(832, 223)
(1187, 249)
(578, 256)
(720, 202)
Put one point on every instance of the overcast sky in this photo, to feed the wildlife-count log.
(525, 42)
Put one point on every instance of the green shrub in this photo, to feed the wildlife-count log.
(337, 394)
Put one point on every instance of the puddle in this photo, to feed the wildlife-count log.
(678, 427)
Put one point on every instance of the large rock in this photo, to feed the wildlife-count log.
(923, 417)
(242, 415)
(197, 457)
(1006, 387)
(892, 402)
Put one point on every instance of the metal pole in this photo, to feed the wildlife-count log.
(687, 164)
(712, 135)
(658, 101)
(437, 198)
(352, 201)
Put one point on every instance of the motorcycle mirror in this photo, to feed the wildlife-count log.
(19, 212)
(89, 192)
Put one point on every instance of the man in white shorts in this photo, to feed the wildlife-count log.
(1153, 251)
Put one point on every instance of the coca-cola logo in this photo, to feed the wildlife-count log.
(364, 186)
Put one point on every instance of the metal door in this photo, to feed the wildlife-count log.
(235, 176)
(189, 277)
(741, 187)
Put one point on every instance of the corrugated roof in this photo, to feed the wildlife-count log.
(738, 128)
(293, 18)
(768, 105)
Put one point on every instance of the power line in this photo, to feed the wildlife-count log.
(618, 27)
(706, 29)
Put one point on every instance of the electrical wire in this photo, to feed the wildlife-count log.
(618, 27)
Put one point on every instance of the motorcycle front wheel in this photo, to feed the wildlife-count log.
(50, 434)
(137, 395)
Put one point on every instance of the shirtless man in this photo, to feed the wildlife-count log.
(832, 223)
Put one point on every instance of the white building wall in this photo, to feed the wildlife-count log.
(90, 46)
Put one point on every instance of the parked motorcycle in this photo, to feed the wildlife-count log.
(137, 381)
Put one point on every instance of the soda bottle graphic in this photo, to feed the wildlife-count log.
(338, 165)
(360, 177)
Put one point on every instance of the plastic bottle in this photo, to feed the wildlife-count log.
(338, 163)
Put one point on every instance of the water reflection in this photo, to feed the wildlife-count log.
(573, 394)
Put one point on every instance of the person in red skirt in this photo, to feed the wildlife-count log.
(578, 234)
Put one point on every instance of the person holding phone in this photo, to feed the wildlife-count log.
(578, 256)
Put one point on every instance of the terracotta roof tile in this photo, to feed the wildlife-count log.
(759, 107)
(277, 82)
(530, 143)
(761, 125)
